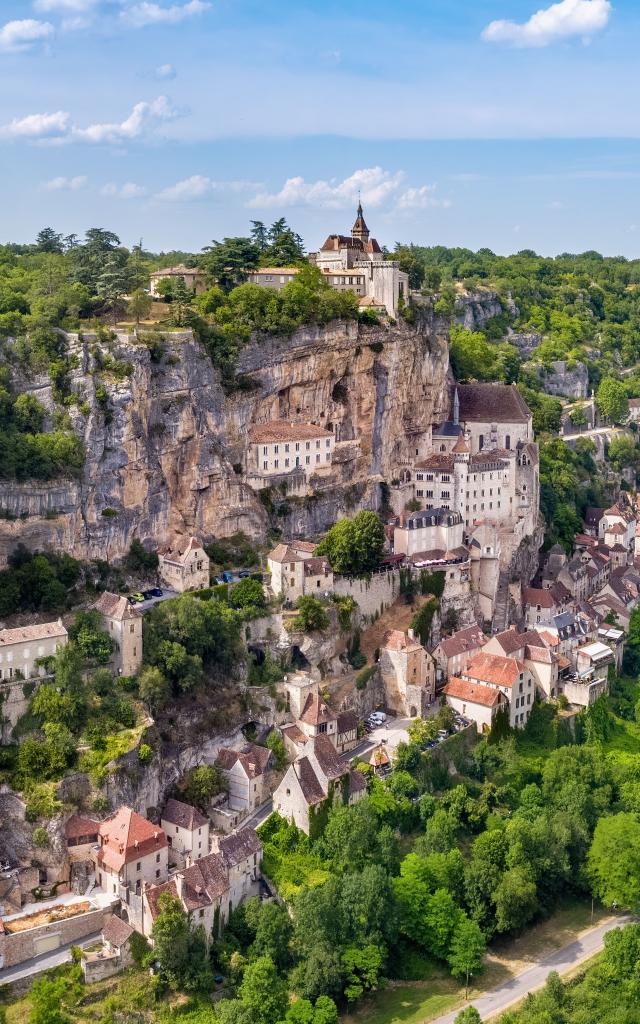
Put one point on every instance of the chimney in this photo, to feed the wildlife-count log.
(179, 880)
(402, 519)
(411, 634)
(135, 843)
(156, 836)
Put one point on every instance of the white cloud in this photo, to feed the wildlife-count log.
(17, 36)
(420, 198)
(66, 184)
(373, 183)
(569, 18)
(142, 119)
(127, 191)
(165, 71)
(154, 14)
(58, 127)
(37, 126)
(199, 185)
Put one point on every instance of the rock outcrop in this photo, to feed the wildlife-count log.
(165, 444)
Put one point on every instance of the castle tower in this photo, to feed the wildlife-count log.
(461, 454)
(360, 229)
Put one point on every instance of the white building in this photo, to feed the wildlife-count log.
(453, 653)
(428, 530)
(509, 675)
(288, 453)
(475, 701)
(123, 623)
(185, 565)
(295, 571)
(186, 829)
(21, 648)
(617, 529)
(131, 851)
(245, 772)
(313, 779)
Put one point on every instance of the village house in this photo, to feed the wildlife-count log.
(408, 673)
(81, 835)
(123, 622)
(131, 851)
(509, 675)
(22, 647)
(535, 652)
(313, 717)
(194, 279)
(245, 773)
(287, 453)
(617, 529)
(474, 701)
(212, 887)
(115, 954)
(295, 571)
(614, 638)
(541, 606)
(187, 831)
(184, 566)
(318, 776)
(452, 653)
(437, 529)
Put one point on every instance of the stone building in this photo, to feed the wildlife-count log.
(245, 772)
(123, 623)
(21, 648)
(194, 279)
(295, 571)
(288, 454)
(187, 831)
(452, 653)
(475, 701)
(427, 531)
(131, 851)
(617, 529)
(509, 675)
(184, 566)
(408, 673)
(311, 780)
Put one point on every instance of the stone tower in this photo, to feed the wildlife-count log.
(461, 456)
(360, 229)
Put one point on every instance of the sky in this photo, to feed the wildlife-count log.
(510, 124)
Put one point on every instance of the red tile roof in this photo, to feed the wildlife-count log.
(184, 815)
(315, 711)
(493, 403)
(115, 606)
(284, 430)
(77, 827)
(397, 640)
(464, 640)
(116, 931)
(494, 669)
(473, 693)
(127, 836)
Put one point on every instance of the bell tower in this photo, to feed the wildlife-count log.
(360, 229)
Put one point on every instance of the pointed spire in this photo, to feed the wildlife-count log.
(456, 408)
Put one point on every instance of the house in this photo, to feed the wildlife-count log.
(81, 834)
(114, 955)
(408, 673)
(186, 829)
(185, 565)
(452, 653)
(541, 606)
(474, 701)
(273, 277)
(617, 528)
(123, 623)
(313, 779)
(245, 772)
(346, 732)
(194, 279)
(509, 675)
(130, 851)
(535, 651)
(23, 646)
(614, 638)
(583, 685)
(435, 528)
(211, 888)
(592, 517)
(287, 453)
(380, 760)
(296, 572)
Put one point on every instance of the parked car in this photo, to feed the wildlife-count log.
(379, 716)
(227, 577)
(148, 594)
(138, 597)
(244, 574)
(156, 592)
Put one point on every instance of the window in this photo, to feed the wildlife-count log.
(443, 447)
(317, 459)
(307, 459)
(276, 463)
(322, 727)
(158, 873)
(201, 913)
(157, 858)
(297, 446)
(288, 792)
(275, 448)
(132, 628)
(286, 463)
(308, 445)
(138, 865)
(317, 444)
(286, 447)
(327, 457)
(419, 476)
(265, 464)
(265, 450)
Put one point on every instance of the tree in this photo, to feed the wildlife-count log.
(273, 934)
(361, 968)
(202, 784)
(611, 399)
(138, 558)
(154, 688)
(622, 452)
(263, 992)
(140, 305)
(53, 997)
(467, 950)
(613, 862)
(354, 546)
(311, 615)
(181, 307)
(515, 900)
(468, 1016)
(247, 593)
(111, 285)
(49, 240)
(180, 948)
(92, 641)
(227, 262)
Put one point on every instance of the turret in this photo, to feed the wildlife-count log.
(360, 229)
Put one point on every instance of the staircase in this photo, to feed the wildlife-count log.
(501, 607)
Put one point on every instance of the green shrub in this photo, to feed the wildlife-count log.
(363, 677)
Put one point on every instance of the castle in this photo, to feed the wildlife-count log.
(354, 263)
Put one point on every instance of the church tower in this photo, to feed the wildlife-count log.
(360, 229)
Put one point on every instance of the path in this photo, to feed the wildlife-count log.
(44, 962)
(562, 961)
(590, 433)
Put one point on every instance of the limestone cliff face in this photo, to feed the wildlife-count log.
(162, 441)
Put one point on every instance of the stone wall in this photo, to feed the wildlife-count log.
(15, 696)
(20, 946)
(372, 595)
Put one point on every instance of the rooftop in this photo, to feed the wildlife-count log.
(464, 640)
(184, 815)
(115, 606)
(473, 693)
(181, 548)
(494, 669)
(492, 403)
(284, 430)
(39, 631)
(397, 640)
(126, 836)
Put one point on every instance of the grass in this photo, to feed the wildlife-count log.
(624, 738)
(433, 991)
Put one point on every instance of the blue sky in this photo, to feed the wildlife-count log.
(506, 123)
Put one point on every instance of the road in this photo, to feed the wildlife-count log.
(590, 433)
(562, 960)
(44, 962)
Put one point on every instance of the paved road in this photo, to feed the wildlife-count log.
(563, 960)
(590, 433)
(44, 962)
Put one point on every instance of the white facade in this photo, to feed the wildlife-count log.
(437, 529)
(282, 447)
(22, 647)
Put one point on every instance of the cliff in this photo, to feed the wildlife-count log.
(162, 438)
